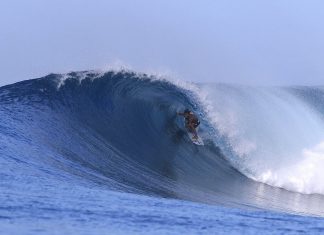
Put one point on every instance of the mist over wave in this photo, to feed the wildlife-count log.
(273, 135)
(120, 131)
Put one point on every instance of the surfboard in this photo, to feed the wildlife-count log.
(197, 141)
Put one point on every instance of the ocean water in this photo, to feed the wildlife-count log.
(105, 153)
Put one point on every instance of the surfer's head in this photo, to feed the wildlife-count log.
(187, 111)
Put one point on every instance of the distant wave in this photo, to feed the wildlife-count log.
(120, 130)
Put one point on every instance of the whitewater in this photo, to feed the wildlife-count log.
(105, 153)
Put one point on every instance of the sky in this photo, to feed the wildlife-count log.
(253, 42)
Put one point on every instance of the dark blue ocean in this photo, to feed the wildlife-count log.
(106, 153)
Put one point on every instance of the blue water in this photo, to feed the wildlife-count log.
(91, 153)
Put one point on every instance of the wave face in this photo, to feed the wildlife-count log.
(119, 130)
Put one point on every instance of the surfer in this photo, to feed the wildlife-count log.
(192, 122)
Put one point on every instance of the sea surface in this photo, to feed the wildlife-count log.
(106, 153)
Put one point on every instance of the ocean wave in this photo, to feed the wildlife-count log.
(119, 130)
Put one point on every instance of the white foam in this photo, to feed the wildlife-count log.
(79, 75)
(269, 135)
(304, 176)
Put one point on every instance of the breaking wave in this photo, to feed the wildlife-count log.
(119, 130)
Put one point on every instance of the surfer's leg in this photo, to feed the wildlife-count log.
(192, 129)
(195, 134)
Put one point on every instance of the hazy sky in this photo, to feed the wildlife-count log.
(275, 42)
